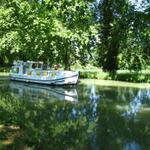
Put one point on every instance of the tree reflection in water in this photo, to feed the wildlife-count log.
(131, 146)
(94, 122)
(137, 102)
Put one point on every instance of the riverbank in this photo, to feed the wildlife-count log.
(114, 83)
(4, 76)
(120, 75)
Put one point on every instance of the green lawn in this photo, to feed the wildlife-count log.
(4, 76)
(114, 83)
(120, 75)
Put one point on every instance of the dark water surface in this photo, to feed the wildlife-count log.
(86, 117)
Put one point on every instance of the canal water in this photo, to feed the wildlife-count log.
(84, 117)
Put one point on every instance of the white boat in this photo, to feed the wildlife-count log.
(43, 92)
(33, 72)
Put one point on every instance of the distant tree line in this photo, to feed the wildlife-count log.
(110, 34)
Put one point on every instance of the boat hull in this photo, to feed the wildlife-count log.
(70, 79)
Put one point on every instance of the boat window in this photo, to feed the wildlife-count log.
(27, 65)
(34, 66)
(15, 69)
(39, 65)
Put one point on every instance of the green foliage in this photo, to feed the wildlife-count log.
(132, 76)
(94, 75)
(120, 75)
(53, 31)
(109, 34)
(135, 52)
(123, 35)
(114, 22)
(4, 69)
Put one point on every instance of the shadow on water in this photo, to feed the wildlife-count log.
(96, 117)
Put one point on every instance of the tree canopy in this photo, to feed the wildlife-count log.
(109, 34)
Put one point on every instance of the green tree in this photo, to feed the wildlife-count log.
(135, 52)
(59, 31)
(114, 23)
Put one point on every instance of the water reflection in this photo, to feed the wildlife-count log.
(35, 91)
(131, 146)
(95, 99)
(142, 97)
(95, 122)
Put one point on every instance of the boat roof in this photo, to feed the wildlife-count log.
(36, 62)
(21, 61)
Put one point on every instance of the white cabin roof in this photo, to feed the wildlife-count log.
(36, 62)
(20, 62)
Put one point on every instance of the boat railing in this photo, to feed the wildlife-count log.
(39, 72)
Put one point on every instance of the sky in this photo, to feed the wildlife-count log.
(136, 2)
(139, 5)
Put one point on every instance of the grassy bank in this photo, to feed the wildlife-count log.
(4, 69)
(120, 75)
(4, 76)
(114, 83)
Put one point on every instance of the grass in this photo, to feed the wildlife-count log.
(120, 75)
(4, 76)
(90, 72)
(114, 83)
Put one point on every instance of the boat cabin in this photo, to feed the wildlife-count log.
(36, 72)
(20, 67)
